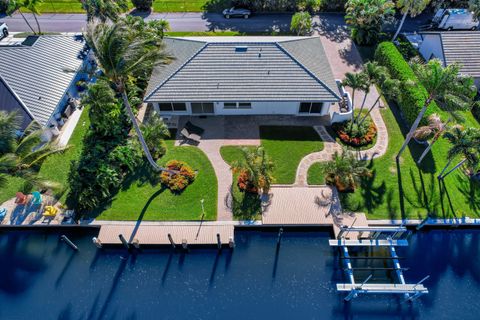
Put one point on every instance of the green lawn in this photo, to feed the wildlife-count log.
(56, 167)
(75, 6)
(245, 206)
(143, 197)
(411, 191)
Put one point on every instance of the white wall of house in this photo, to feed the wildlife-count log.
(257, 108)
(431, 47)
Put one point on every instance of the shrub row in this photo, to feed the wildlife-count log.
(412, 98)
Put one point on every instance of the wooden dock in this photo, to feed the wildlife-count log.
(194, 233)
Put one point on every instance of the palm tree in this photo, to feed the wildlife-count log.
(9, 125)
(474, 7)
(345, 171)
(121, 52)
(356, 81)
(465, 143)
(441, 84)
(104, 9)
(374, 75)
(25, 157)
(258, 166)
(389, 88)
(154, 131)
(412, 7)
(31, 5)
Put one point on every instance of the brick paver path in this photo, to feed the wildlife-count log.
(344, 57)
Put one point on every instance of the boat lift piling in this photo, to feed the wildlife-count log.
(69, 242)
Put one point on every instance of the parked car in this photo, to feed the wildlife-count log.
(451, 19)
(3, 30)
(236, 12)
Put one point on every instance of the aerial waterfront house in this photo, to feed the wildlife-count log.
(247, 76)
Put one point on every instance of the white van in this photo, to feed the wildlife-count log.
(454, 19)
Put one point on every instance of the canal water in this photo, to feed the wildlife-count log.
(42, 278)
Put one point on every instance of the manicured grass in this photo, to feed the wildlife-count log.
(315, 174)
(142, 196)
(411, 191)
(57, 167)
(286, 146)
(245, 206)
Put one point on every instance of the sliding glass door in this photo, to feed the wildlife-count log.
(203, 108)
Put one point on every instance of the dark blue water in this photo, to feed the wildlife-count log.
(41, 278)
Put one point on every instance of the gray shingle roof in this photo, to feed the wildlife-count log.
(276, 69)
(37, 73)
(463, 48)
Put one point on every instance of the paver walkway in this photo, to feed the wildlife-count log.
(344, 57)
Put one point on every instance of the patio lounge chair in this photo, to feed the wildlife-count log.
(192, 132)
(37, 197)
(3, 213)
(21, 198)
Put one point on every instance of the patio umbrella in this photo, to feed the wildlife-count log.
(37, 197)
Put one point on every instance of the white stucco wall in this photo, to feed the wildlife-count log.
(431, 44)
(258, 108)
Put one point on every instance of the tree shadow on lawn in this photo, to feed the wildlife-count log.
(372, 195)
(424, 193)
(471, 190)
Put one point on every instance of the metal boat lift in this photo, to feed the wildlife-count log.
(377, 237)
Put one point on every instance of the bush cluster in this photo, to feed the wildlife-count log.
(412, 97)
(286, 5)
(245, 184)
(358, 135)
(177, 182)
(142, 5)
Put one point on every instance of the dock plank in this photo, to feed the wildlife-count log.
(194, 233)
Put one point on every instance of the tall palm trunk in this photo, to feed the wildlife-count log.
(401, 25)
(362, 106)
(129, 110)
(38, 24)
(353, 109)
(441, 177)
(369, 111)
(444, 169)
(26, 21)
(414, 126)
(430, 145)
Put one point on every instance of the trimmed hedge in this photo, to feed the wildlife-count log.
(412, 98)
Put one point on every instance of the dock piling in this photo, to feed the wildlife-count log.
(136, 243)
(97, 242)
(124, 241)
(171, 241)
(184, 244)
(69, 242)
(219, 242)
(279, 237)
(231, 243)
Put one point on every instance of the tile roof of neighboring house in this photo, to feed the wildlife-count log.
(462, 47)
(244, 69)
(40, 74)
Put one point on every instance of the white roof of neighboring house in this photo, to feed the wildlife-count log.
(39, 74)
(244, 69)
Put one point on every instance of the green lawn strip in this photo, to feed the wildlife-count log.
(245, 206)
(143, 195)
(315, 174)
(379, 195)
(57, 167)
(11, 187)
(286, 146)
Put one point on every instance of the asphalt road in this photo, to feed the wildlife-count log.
(198, 22)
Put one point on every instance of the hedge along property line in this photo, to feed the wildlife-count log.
(412, 98)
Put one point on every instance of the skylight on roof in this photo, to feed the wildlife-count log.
(241, 49)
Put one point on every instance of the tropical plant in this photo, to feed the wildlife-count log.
(154, 131)
(301, 23)
(356, 81)
(443, 84)
(30, 5)
(366, 18)
(122, 52)
(374, 74)
(409, 7)
(9, 125)
(310, 5)
(178, 181)
(4, 6)
(345, 171)
(257, 166)
(104, 9)
(434, 127)
(465, 143)
(143, 5)
(474, 7)
(25, 155)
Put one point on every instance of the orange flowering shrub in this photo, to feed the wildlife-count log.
(177, 182)
(357, 138)
(245, 184)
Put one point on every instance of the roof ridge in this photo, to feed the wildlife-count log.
(176, 71)
(24, 106)
(306, 69)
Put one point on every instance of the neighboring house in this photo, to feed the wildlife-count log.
(461, 47)
(37, 77)
(246, 76)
